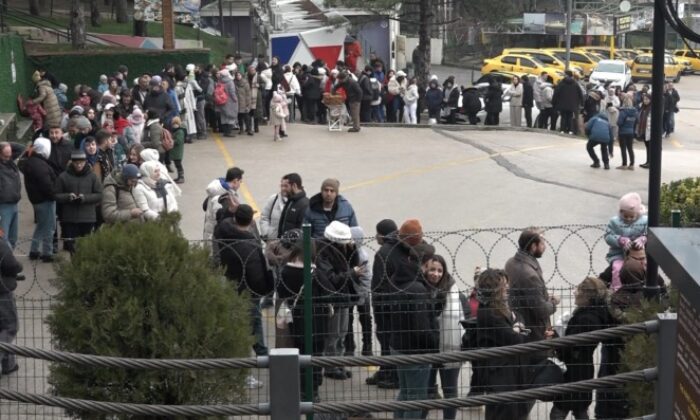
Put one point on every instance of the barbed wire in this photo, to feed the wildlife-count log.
(646, 375)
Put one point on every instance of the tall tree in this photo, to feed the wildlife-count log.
(95, 17)
(34, 7)
(77, 24)
(122, 12)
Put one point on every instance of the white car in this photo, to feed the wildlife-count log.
(615, 72)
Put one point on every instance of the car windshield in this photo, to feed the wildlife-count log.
(643, 59)
(610, 68)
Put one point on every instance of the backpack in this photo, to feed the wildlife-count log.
(376, 90)
(167, 140)
(220, 95)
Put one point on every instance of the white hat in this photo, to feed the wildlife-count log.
(189, 68)
(338, 232)
(400, 73)
(433, 77)
(42, 146)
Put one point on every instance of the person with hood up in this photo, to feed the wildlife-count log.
(599, 132)
(244, 103)
(433, 99)
(567, 100)
(39, 179)
(118, 201)
(79, 191)
(471, 104)
(450, 99)
(410, 100)
(493, 102)
(154, 195)
(134, 132)
(226, 187)
(47, 98)
(362, 289)
(626, 122)
(279, 111)
(516, 102)
(150, 155)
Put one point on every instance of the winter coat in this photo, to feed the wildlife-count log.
(10, 182)
(266, 77)
(279, 109)
(178, 150)
(528, 94)
(117, 200)
(433, 99)
(394, 87)
(242, 256)
(537, 91)
(292, 82)
(384, 267)
(153, 136)
(256, 102)
(270, 216)
(613, 114)
(470, 101)
(244, 99)
(39, 179)
(150, 203)
(567, 95)
(411, 95)
(451, 97)
(161, 102)
(412, 317)
(493, 100)
(516, 95)
(450, 313)
(547, 95)
(627, 120)
(364, 283)
(47, 98)
(292, 216)
(352, 90)
(214, 191)
(366, 86)
(671, 99)
(336, 263)
(579, 359)
(84, 182)
(229, 110)
(528, 293)
(9, 268)
(618, 228)
(311, 89)
(599, 130)
(643, 128)
(342, 211)
(60, 154)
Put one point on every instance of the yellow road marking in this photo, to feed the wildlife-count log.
(676, 143)
(230, 162)
(442, 165)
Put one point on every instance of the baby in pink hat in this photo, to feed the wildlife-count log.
(625, 230)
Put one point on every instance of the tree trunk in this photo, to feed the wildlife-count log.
(77, 25)
(122, 11)
(421, 55)
(34, 7)
(95, 17)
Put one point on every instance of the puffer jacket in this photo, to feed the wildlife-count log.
(10, 183)
(39, 179)
(117, 200)
(47, 98)
(84, 182)
(627, 121)
(547, 94)
(617, 228)
(433, 99)
(342, 211)
(470, 101)
(599, 130)
(147, 200)
(153, 136)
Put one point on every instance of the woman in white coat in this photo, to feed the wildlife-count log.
(153, 194)
(516, 102)
(449, 312)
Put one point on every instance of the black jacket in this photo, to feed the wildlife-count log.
(9, 268)
(366, 86)
(84, 182)
(567, 95)
(671, 100)
(335, 265)
(528, 94)
(10, 183)
(413, 320)
(470, 101)
(242, 256)
(39, 179)
(311, 88)
(161, 102)
(60, 154)
(493, 101)
(352, 89)
(292, 216)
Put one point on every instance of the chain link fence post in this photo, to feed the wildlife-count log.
(666, 361)
(284, 384)
(308, 315)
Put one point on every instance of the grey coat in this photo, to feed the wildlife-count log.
(10, 183)
(243, 91)
(84, 182)
(229, 111)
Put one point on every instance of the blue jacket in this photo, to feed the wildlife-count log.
(618, 228)
(599, 130)
(627, 120)
(342, 211)
(433, 99)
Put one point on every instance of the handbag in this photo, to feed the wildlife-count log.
(283, 317)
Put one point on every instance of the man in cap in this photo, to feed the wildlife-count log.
(78, 191)
(328, 206)
(118, 202)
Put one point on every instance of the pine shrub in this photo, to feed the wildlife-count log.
(143, 291)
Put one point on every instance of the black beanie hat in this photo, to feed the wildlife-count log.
(386, 226)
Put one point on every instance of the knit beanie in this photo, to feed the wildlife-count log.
(332, 183)
(338, 232)
(411, 232)
(632, 202)
(82, 122)
(386, 226)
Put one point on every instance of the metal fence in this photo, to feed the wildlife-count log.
(573, 252)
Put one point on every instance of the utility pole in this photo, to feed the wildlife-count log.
(221, 17)
(168, 25)
(568, 33)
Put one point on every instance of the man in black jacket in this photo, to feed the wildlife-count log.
(354, 98)
(292, 216)
(9, 321)
(10, 194)
(39, 178)
(567, 100)
(61, 148)
(158, 100)
(366, 104)
(528, 100)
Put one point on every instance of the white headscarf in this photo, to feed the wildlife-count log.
(42, 146)
(151, 155)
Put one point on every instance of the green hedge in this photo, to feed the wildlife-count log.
(11, 45)
(683, 195)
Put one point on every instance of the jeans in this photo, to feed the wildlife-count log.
(413, 385)
(256, 321)
(334, 344)
(9, 219)
(378, 113)
(567, 118)
(603, 151)
(9, 324)
(669, 123)
(45, 213)
(528, 116)
(449, 381)
(72, 231)
(626, 141)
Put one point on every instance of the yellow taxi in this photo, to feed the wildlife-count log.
(520, 63)
(581, 59)
(689, 56)
(548, 58)
(641, 68)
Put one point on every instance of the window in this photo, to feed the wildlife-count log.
(579, 57)
(527, 63)
(643, 59)
(544, 58)
(508, 59)
(680, 53)
(610, 67)
(669, 60)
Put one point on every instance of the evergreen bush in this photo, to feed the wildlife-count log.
(142, 291)
(683, 195)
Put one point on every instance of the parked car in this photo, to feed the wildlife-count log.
(641, 68)
(615, 72)
(547, 57)
(580, 58)
(520, 63)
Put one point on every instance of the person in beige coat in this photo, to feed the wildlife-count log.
(47, 98)
(244, 104)
(516, 102)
